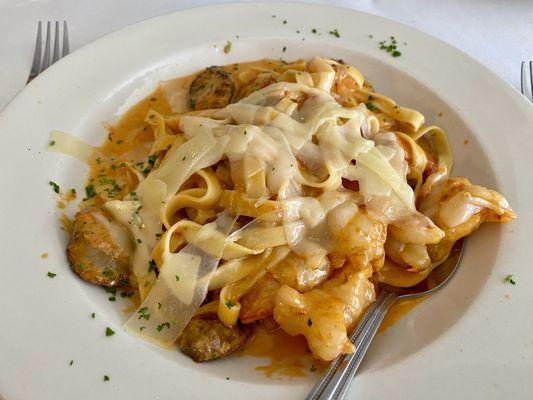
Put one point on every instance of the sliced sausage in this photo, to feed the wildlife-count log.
(212, 88)
(205, 338)
(99, 249)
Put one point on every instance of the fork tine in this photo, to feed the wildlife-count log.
(65, 39)
(46, 59)
(36, 64)
(523, 78)
(55, 57)
(531, 80)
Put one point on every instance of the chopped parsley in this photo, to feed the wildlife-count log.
(159, 305)
(112, 298)
(313, 368)
(151, 266)
(52, 142)
(70, 363)
(55, 186)
(335, 33)
(51, 274)
(177, 278)
(93, 315)
(139, 241)
(313, 30)
(153, 158)
(141, 328)
(509, 279)
(371, 36)
(106, 378)
(370, 105)
(111, 290)
(309, 322)
(127, 294)
(98, 160)
(390, 47)
(283, 50)
(109, 331)
(143, 313)
(108, 273)
(284, 21)
(89, 191)
(229, 304)
(227, 47)
(160, 327)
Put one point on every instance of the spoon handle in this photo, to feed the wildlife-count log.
(336, 380)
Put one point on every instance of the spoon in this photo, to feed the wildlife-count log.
(334, 383)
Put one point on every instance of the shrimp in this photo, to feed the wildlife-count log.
(294, 272)
(458, 208)
(325, 315)
(360, 242)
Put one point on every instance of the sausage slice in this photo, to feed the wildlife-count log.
(205, 338)
(99, 249)
(212, 88)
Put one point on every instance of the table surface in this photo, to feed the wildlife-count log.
(499, 34)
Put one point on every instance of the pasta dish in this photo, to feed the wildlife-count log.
(269, 192)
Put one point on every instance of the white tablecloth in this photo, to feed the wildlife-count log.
(497, 33)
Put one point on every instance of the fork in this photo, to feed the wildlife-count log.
(39, 65)
(527, 90)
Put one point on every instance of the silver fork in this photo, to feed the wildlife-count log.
(527, 89)
(39, 65)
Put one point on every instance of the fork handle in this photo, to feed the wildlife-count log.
(335, 382)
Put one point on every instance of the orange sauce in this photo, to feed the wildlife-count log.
(397, 311)
(289, 355)
(66, 198)
(66, 223)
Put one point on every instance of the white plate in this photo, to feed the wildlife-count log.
(472, 340)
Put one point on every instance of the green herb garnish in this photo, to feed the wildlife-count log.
(335, 33)
(109, 331)
(143, 313)
(51, 275)
(227, 47)
(89, 191)
(390, 47)
(509, 279)
(55, 186)
(160, 327)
